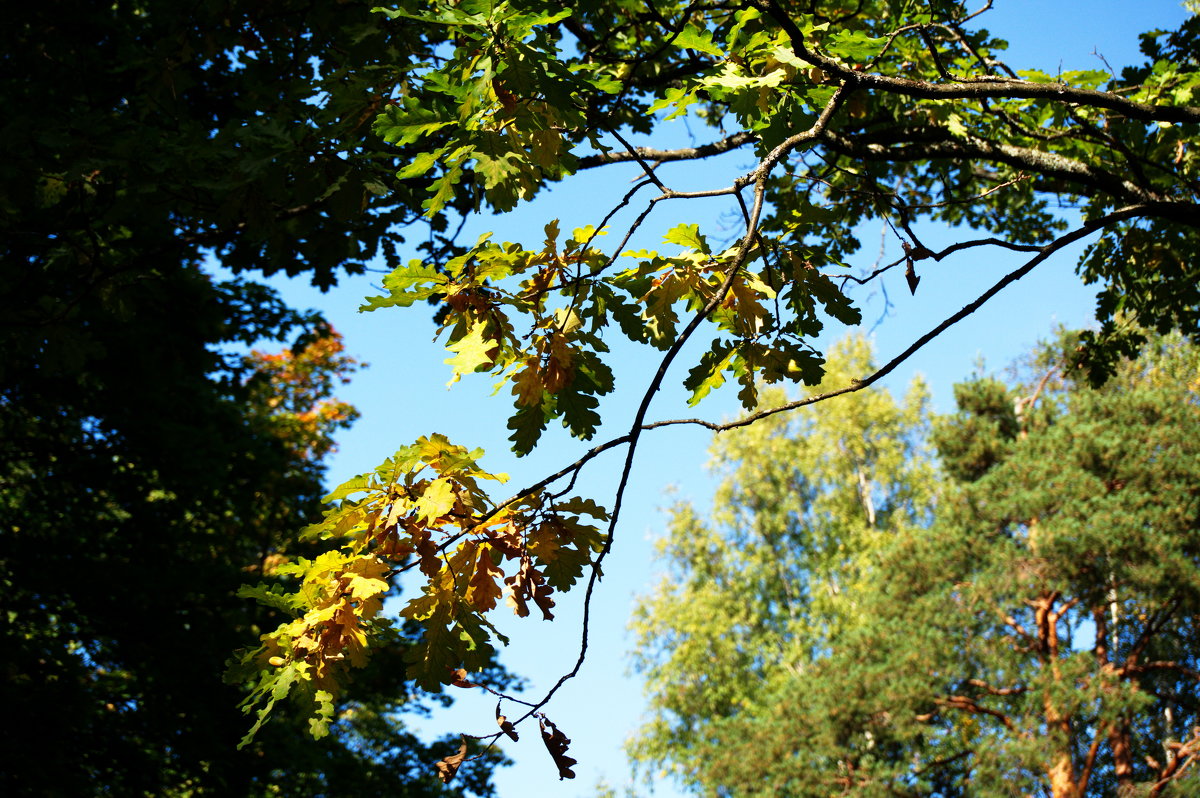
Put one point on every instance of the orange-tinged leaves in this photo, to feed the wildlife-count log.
(459, 678)
(484, 588)
(354, 640)
(424, 500)
(543, 542)
(750, 317)
(516, 597)
(507, 540)
(559, 371)
(540, 282)
(528, 584)
(427, 551)
(297, 387)
(542, 595)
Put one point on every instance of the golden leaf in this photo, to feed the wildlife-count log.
(527, 385)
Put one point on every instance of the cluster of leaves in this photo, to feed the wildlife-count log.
(466, 100)
(508, 107)
(423, 506)
(1015, 615)
(296, 387)
(555, 368)
(873, 109)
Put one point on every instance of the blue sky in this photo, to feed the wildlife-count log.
(403, 394)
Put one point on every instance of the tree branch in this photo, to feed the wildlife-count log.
(997, 691)
(967, 148)
(1045, 252)
(662, 156)
(984, 87)
(967, 704)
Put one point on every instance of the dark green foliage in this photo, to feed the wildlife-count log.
(1149, 268)
(986, 429)
(144, 474)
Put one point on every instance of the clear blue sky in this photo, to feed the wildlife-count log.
(403, 395)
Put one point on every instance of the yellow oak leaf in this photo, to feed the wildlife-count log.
(527, 386)
(319, 615)
(437, 500)
(473, 351)
(362, 588)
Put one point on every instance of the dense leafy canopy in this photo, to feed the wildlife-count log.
(851, 111)
(148, 464)
(301, 138)
(852, 621)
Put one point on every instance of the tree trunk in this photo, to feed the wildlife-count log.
(1061, 768)
(1122, 754)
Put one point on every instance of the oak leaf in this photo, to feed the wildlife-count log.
(459, 678)
(527, 385)
(526, 584)
(448, 766)
(473, 351)
(557, 743)
(437, 500)
(366, 578)
(483, 588)
(505, 725)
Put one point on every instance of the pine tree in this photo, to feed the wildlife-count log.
(1033, 632)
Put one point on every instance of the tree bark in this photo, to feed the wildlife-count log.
(1060, 768)
(1122, 754)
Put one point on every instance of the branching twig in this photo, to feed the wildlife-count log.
(761, 173)
(1002, 88)
(642, 154)
(857, 385)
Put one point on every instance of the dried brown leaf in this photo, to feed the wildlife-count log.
(447, 767)
(460, 678)
(556, 743)
(427, 550)
(483, 588)
(505, 725)
(529, 583)
(910, 276)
